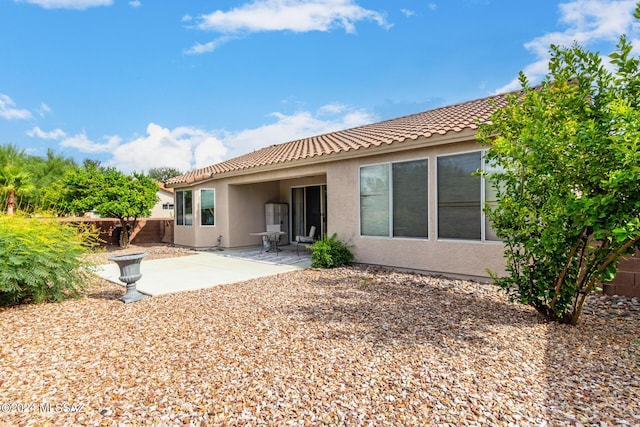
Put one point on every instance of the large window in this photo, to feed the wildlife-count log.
(394, 199)
(374, 200)
(207, 205)
(184, 207)
(461, 194)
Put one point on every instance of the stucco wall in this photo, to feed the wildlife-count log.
(462, 258)
(164, 197)
(240, 204)
(205, 236)
(246, 206)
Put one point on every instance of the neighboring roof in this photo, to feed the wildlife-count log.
(162, 187)
(440, 121)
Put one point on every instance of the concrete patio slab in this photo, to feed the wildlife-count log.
(199, 271)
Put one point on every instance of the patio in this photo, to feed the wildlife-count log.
(204, 269)
(348, 346)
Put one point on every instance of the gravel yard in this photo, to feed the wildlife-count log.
(349, 346)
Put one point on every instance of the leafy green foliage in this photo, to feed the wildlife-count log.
(44, 172)
(40, 259)
(330, 252)
(26, 179)
(14, 180)
(108, 192)
(569, 205)
(163, 173)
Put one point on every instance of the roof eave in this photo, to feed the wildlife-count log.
(451, 137)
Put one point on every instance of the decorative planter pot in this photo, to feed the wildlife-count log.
(130, 274)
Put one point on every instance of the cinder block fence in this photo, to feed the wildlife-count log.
(147, 230)
(627, 281)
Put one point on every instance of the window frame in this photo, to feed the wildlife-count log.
(201, 208)
(180, 202)
(483, 218)
(390, 219)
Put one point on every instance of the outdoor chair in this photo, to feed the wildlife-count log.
(271, 238)
(305, 241)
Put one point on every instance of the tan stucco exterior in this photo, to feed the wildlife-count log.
(240, 200)
(164, 198)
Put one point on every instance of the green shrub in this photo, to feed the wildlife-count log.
(330, 252)
(40, 260)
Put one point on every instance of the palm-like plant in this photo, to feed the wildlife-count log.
(14, 180)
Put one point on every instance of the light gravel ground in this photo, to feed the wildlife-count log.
(349, 346)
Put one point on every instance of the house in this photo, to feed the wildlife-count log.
(400, 192)
(165, 206)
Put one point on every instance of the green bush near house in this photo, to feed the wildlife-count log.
(568, 205)
(329, 252)
(40, 260)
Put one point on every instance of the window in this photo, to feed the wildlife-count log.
(460, 198)
(374, 200)
(207, 204)
(394, 199)
(184, 207)
(491, 199)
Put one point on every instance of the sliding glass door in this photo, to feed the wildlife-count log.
(308, 208)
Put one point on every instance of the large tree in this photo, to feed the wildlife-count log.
(109, 193)
(569, 190)
(45, 172)
(162, 174)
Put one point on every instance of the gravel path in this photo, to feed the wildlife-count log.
(349, 346)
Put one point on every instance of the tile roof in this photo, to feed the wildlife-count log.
(439, 121)
(163, 187)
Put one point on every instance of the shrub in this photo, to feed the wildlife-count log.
(41, 260)
(330, 252)
(568, 204)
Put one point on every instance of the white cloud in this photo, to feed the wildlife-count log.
(54, 134)
(135, 3)
(187, 148)
(407, 12)
(432, 7)
(299, 125)
(83, 144)
(68, 4)
(200, 48)
(290, 15)
(332, 109)
(588, 22)
(44, 109)
(183, 148)
(8, 110)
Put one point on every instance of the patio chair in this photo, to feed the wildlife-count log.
(271, 238)
(305, 241)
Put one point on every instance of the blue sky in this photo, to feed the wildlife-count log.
(188, 83)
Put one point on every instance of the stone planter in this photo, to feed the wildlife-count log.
(130, 274)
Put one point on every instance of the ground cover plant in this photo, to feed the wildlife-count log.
(330, 252)
(567, 155)
(41, 259)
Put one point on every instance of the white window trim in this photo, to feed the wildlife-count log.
(215, 217)
(390, 235)
(482, 239)
(183, 214)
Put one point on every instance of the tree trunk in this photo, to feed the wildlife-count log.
(124, 234)
(11, 202)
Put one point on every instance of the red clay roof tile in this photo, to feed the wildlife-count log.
(440, 121)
